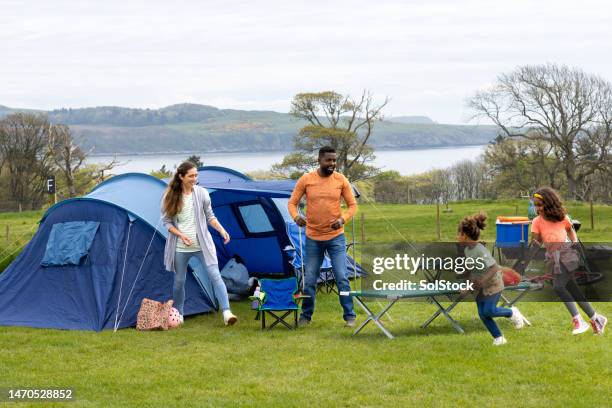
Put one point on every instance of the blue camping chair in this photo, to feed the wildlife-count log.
(278, 295)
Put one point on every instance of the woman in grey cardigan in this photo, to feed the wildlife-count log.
(187, 212)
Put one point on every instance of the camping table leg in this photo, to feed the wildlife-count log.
(440, 310)
(445, 312)
(375, 317)
(510, 303)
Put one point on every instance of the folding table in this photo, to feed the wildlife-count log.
(393, 296)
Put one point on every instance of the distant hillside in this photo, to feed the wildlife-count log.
(413, 120)
(202, 128)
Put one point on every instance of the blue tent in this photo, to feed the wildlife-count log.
(122, 264)
(255, 215)
(103, 253)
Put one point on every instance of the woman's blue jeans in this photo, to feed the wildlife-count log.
(181, 259)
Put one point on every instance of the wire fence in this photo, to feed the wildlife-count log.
(16, 230)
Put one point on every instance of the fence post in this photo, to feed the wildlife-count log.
(592, 217)
(438, 221)
(362, 228)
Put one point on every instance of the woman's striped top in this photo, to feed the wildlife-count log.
(187, 225)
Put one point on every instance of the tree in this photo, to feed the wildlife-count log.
(162, 173)
(24, 139)
(195, 160)
(519, 166)
(99, 171)
(471, 180)
(444, 188)
(66, 156)
(569, 110)
(294, 165)
(335, 120)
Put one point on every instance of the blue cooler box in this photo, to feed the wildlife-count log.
(511, 235)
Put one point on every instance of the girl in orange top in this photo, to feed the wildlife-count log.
(553, 228)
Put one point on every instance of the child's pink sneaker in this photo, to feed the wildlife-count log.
(580, 326)
(598, 322)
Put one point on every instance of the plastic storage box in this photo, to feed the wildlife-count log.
(511, 234)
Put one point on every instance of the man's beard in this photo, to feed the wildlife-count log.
(328, 171)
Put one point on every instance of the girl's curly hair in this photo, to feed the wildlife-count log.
(552, 204)
(471, 225)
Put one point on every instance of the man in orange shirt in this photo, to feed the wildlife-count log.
(324, 223)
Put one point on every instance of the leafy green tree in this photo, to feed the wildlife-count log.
(195, 160)
(334, 120)
(162, 173)
(519, 166)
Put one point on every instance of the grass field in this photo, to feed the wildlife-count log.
(21, 226)
(206, 364)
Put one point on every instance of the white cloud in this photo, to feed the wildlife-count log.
(427, 56)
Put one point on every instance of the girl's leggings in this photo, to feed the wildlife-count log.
(487, 310)
(181, 259)
(565, 286)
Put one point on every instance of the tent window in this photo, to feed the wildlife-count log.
(255, 218)
(282, 205)
(69, 242)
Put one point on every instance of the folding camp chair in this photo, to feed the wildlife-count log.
(328, 281)
(279, 296)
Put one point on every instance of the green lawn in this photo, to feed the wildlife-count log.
(389, 222)
(21, 226)
(206, 364)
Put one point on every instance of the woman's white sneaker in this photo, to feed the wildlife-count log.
(229, 318)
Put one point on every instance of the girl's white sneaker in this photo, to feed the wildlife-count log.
(517, 318)
(498, 341)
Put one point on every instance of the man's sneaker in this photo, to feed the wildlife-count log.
(303, 321)
(229, 318)
(598, 322)
(580, 326)
(498, 341)
(181, 319)
(517, 319)
(350, 323)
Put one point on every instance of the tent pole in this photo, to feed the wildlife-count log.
(353, 243)
(127, 243)
(302, 256)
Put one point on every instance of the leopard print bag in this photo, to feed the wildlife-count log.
(153, 315)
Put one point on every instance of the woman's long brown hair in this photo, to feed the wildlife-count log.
(173, 197)
(553, 207)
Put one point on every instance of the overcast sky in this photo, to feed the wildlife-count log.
(427, 56)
